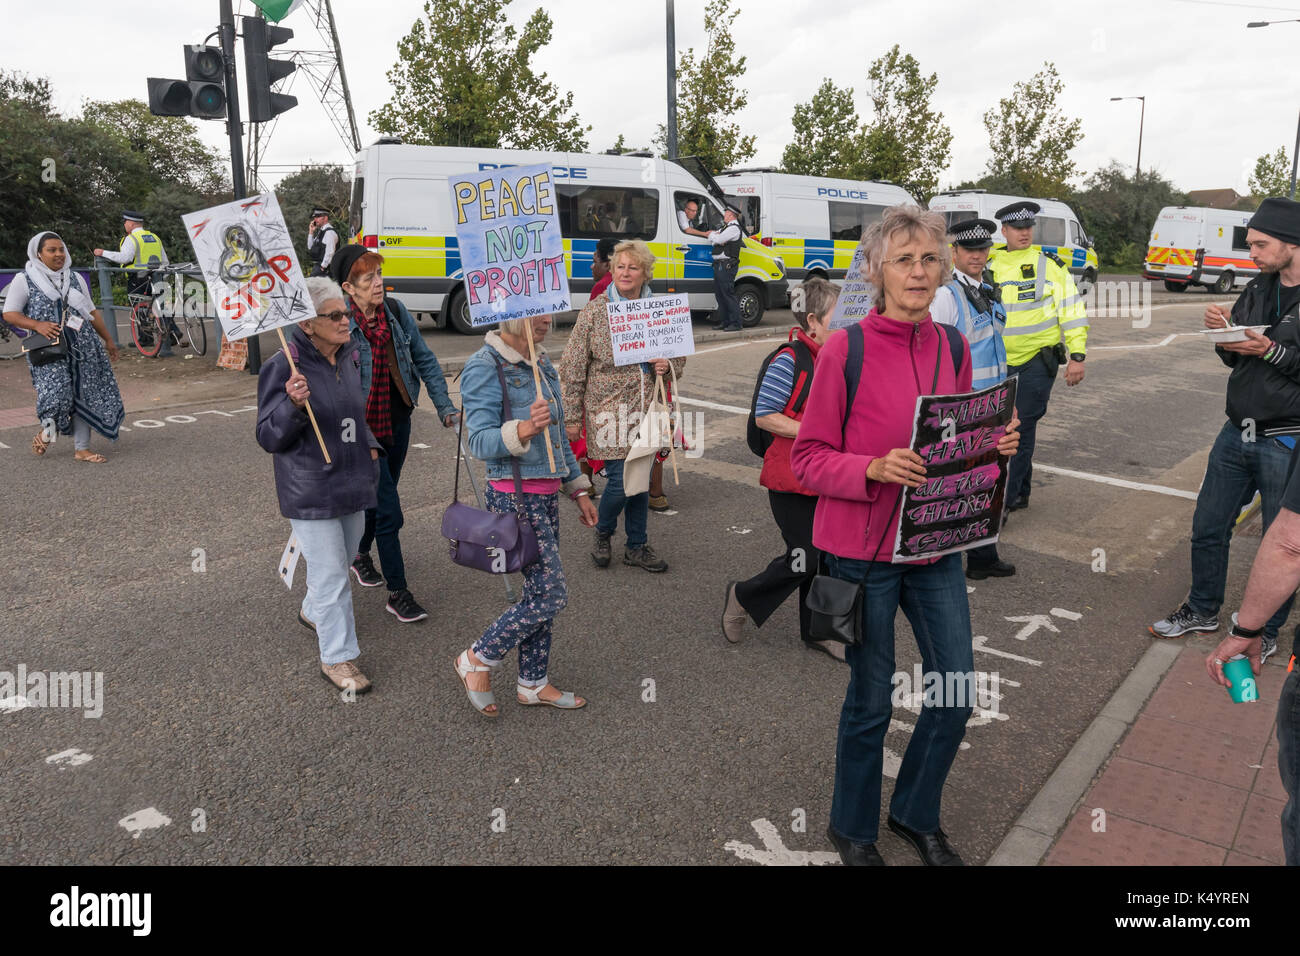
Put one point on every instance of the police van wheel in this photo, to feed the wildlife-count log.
(1223, 284)
(751, 305)
(458, 313)
(1175, 286)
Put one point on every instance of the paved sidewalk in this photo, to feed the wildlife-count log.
(1194, 782)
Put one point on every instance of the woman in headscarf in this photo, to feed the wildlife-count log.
(77, 393)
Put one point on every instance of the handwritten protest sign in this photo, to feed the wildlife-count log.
(247, 259)
(511, 250)
(856, 296)
(959, 503)
(658, 326)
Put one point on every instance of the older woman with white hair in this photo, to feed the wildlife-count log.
(511, 424)
(325, 502)
(858, 459)
(79, 392)
(607, 397)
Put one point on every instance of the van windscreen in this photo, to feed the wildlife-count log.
(354, 208)
(595, 212)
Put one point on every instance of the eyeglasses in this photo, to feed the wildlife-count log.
(335, 316)
(930, 262)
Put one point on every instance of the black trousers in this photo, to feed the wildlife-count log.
(724, 290)
(793, 571)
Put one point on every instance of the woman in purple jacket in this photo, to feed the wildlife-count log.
(325, 503)
(858, 465)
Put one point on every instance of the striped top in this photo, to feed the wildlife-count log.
(777, 386)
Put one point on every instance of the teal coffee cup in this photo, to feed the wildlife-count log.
(1243, 689)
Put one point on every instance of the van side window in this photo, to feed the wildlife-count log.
(850, 219)
(594, 212)
(354, 208)
(749, 211)
(1049, 231)
(1239, 238)
(1076, 234)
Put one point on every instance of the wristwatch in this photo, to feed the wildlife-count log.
(1076, 356)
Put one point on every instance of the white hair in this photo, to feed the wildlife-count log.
(322, 290)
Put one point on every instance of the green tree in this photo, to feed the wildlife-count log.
(907, 141)
(826, 135)
(1117, 211)
(1272, 175)
(708, 96)
(324, 186)
(169, 144)
(464, 77)
(1031, 138)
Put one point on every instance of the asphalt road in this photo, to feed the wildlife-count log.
(214, 716)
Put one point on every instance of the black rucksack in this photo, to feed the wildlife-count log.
(759, 439)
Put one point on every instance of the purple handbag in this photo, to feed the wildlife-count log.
(484, 540)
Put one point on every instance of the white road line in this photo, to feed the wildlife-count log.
(701, 403)
(1150, 345)
(147, 819)
(3, 445)
(68, 758)
(736, 345)
(1119, 482)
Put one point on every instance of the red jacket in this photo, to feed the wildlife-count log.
(602, 284)
(856, 517)
(777, 475)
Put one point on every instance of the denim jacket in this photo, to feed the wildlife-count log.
(494, 442)
(414, 358)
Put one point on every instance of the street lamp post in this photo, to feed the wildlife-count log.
(1142, 120)
(672, 82)
(1295, 153)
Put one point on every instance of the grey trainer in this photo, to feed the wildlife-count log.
(1182, 621)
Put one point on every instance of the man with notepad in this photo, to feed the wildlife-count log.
(1253, 449)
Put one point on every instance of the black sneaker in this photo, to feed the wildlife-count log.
(601, 554)
(363, 569)
(404, 607)
(1182, 621)
(1019, 503)
(644, 557)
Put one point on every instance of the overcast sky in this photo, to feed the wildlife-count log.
(1218, 94)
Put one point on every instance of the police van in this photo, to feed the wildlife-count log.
(1191, 246)
(812, 223)
(1057, 229)
(401, 207)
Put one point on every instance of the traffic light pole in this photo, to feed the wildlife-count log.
(235, 129)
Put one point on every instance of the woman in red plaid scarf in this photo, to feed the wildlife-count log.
(394, 360)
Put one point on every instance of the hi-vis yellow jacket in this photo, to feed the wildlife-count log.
(1042, 302)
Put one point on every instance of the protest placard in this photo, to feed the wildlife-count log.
(959, 502)
(511, 250)
(658, 326)
(856, 296)
(246, 256)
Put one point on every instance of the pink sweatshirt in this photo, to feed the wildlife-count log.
(897, 366)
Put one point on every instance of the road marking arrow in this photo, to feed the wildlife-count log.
(1032, 623)
(1068, 615)
(978, 644)
(775, 852)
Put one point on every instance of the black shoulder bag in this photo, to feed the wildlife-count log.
(41, 350)
(836, 604)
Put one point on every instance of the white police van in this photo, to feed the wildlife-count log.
(1057, 229)
(811, 222)
(401, 207)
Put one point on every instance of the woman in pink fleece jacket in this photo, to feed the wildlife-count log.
(859, 471)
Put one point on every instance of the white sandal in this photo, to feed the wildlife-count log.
(479, 699)
(529, 697)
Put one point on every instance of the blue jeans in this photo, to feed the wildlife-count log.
(613, 503)
(385, 520)
(1288, 764)
(328, 545)
(527, 625)
(1032, 393)
(933, 596)
(1235, 468)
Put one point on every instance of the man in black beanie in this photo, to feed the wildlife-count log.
(1254, 447)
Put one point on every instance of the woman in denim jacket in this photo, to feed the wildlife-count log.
(522, 431)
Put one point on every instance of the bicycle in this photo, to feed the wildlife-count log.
(148, 327)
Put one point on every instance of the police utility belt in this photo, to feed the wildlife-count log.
(1053, 356)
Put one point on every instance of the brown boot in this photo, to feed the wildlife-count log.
(733, 616)
(346, 676)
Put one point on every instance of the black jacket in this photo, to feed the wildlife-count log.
(1266, 390)
(306, 486)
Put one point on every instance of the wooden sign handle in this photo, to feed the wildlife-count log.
(293, 369)
(537, 379)
(672, 448)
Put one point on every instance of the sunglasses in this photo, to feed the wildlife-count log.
(335, 316)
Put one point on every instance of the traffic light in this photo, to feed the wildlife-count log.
(260, 71)
(202, 94)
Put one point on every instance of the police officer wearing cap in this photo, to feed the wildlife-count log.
(1043, 307)
(726, 260)
(969, 303)
(322, 240)
(141, 251)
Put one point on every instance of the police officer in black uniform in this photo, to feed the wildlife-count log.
(726, 260)
(322, 241)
